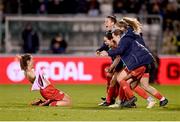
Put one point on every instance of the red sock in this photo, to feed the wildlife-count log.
(116, 91)
(53, 103)
(127, 90)
(158, 95)
(121, 94)
(108, 83)
(141, 92)
(110, 94)
(146, 75)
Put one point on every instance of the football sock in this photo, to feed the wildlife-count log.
(163, 98)
(127, 90)
(108, 83)
(122, 96)
(116, 91)
(150, 99)
(141, 92)
(146, 75)
(110, 94)
(158, 96)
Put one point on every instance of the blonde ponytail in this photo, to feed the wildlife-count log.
(121, 23)
(134, 23)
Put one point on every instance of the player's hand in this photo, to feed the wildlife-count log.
(103, 53)
(97, 53)
(109, 69)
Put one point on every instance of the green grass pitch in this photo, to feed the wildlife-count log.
(15, 99)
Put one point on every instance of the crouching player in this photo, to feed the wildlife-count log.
(113, 86)
(52, 96)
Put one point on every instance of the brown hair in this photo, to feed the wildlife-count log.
(23, 60)
(113, 18)
(117, 32)
(108, 35)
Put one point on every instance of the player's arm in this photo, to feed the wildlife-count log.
(103, 47)
(30, 76)
(114, 64)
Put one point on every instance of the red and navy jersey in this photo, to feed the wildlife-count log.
(133, 53)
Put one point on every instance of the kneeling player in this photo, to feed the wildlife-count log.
(52, 96)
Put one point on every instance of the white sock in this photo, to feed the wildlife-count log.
(163, 98)
(150, 99)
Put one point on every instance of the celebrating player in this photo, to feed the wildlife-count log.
(113, 70)
(109, 25)
(135, 56)
(111, 84)
(52, 96)
(132, 24)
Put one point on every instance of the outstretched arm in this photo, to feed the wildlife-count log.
(115, 62)
(103, 47)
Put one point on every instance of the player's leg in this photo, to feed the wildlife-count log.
(37, 102)
(141, 92)
(121, 75)
(135, 75)
(153, 91)
(66, 101)
(122, 98)
(108, 81)
(122, 79)
(110, 98)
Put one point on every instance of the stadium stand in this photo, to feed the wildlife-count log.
(159, 18)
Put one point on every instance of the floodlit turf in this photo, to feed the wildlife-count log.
(14, 101)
